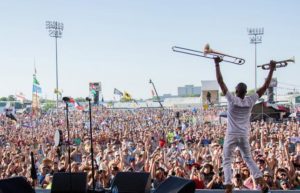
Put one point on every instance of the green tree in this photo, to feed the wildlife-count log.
(11, 98)
(3, 99)
(47, 101)
(250, 92)
(48, 105)
(155, 98)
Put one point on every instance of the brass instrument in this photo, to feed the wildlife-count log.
(279, 64)
(209, 53)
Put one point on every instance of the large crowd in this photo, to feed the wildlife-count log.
(183, 143)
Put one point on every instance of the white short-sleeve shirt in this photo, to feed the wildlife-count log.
(238, 114)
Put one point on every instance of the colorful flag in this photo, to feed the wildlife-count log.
(117, 92)
(36, 88)
(35, 81)
(127, 96)
(93, 92)
(36, 91)
(75, 104)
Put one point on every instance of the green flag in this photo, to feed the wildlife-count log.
(35, 81)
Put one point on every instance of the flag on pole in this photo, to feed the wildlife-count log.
(75, 104)
(117, 92)
(36, 88)
(127, 96)
(36, 92)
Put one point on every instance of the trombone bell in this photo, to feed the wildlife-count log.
(207, 49)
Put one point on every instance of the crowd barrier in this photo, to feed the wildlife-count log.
(215, 191)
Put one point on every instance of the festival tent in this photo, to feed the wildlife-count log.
(265, 110)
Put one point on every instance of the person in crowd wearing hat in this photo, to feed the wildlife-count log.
(281, 174)
(268, 178)
(238, 126)
(285, 185)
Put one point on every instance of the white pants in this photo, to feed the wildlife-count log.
(230, 143)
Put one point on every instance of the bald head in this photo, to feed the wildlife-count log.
(241, 90)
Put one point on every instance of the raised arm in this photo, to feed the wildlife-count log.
(263, 89)
(219, 76)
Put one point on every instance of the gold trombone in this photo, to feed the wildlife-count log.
(209, 53)
(279, 64)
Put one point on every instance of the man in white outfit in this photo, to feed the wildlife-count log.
(238, 126)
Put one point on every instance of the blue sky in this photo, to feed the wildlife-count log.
(124, 43)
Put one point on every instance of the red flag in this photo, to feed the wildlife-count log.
(77, 106)
(72, 100)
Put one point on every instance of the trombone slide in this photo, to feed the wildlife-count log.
(208, 53)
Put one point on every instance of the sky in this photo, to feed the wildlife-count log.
(124, 43)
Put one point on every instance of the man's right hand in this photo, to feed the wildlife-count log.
(272, 65)
(217, 60)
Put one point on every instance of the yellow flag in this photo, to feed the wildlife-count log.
(127, 96)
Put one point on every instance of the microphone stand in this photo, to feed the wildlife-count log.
(33, 170)
(67, 99)
(33, 173)
(91, 138)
